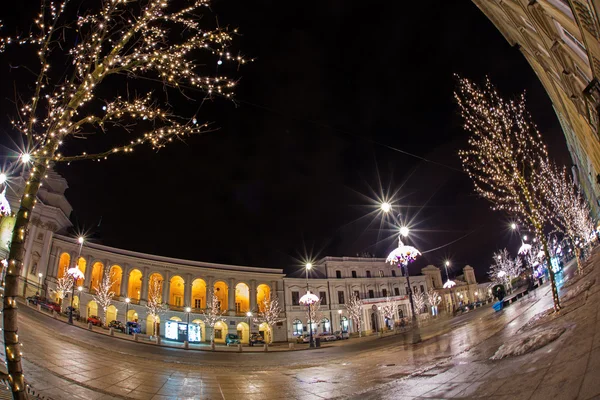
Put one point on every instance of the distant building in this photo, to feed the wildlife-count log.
(465, 291)
(561, 41)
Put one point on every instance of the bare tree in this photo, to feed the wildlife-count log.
(314, 314)
(433, 299)
(213, 315)
(154, 305)
(505, 268)
(104, 295)
(389, 309)
(270, 314)
(91, 61)
(354, 308)
(571, 213)
(419, 301)
(504, 158)
(64, 285)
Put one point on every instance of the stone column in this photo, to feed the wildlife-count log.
(145, 283)
(187, 291)
(166, 288)
(55, 259)
(88, 273)
(32, 231)
(253, 295)
(73, 262)
(231, 296)
(125, 280)
(209, 291)
(106, 269)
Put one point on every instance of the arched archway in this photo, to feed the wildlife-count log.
(97, 271)
(134, 286)
(325, 325)
(132, 315)
(175, 319)
(92, 309)
(297, 327)
(152, 325)
(176, 289)
(262, 292)
(242, 298)
(220, 332)
(116, 276)
(111, 313)
(155, 284)
(344, 324)
(81, 265)
(200, 323)
(221, 291)
(63, 264)
(265, 332)
(243, 331)
(199, 294)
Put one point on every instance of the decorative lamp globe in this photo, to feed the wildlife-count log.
(308, 299)
(449, 284)
(403, 254)
(75, 273)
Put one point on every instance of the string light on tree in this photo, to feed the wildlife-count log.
(504, 158)
(166, 43)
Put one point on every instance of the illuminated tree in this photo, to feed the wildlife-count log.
(505, 269)
(213, 315)
(419, 300)
(433, 299)
(154, 305)
(113, 67)
(354, 308)
(271, 313)
(104, 295)
(504, 158)
(389, 309)
(314, 314)
(64, 285)
(571, 214)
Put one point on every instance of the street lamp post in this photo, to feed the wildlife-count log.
(76, 274)
(40, 283)
(187, 312)
(449, 284)
(341, 326)
(127, 300)
(249, 316)
(308, 300)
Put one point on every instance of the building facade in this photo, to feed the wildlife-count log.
(561, 41)
(49, 252)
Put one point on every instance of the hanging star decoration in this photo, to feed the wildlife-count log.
(403, 254)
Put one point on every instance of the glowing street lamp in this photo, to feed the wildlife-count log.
(25, 158)
(76, 274)
(3, 178)
(386, 207)
(513, 226)
(404, 231)
(308, 300)
(40, 282)
(127, 301)
(187, 311)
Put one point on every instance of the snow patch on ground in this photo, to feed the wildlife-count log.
(527, 343)
(537, 319)
(576, 278)
(577, 290)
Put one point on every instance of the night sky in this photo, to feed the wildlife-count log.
(293, 169)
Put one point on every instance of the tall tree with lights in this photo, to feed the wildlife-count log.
(64, 285)
(504, 158)
(389, 309)
(154, 305)
(571, 214)
(104, 294)
(213, 315)
(433, 299)
(354, 308)
(314, 314)
(419, 300)
(91, 61)
(270, 314)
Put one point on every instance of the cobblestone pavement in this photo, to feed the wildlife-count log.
(65, 362)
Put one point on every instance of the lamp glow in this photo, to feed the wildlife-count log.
(40, 274)
(25, 158)
(80, 239)
(249, 314)
(80, 288)
(188, 309)
(513, 226)
(308, 265)
(127, 300)
(386, 207)
(3, 178)
(404, 231)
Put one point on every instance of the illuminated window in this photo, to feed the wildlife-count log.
(297, 327)
(380, 273)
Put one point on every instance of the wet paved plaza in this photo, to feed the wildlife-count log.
(64, 362)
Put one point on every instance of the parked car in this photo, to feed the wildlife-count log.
(134, 327)
(117, 325)
(94, 320)
(34, 300)
(303, 339)
(256, 338)
(326, 337)
(49, 306)
(232, 338)
(341, 335)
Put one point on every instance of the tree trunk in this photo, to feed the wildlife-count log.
(555, 297)
(11, 285)
(577, 254)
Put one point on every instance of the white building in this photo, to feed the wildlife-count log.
(49, 252)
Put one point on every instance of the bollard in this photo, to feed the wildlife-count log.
(135, 337)
(186, 344)
(212, 346)
(54, 314)
(111, 331)
(291, 346)
(239, 348)
(90, 326)
(266, 347)
(157, 339)
(39, 307)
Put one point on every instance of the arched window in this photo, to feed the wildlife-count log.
(116, 275)
(81, 264)
(400, 313)
(262, 292)
(242, 298)
(97, 271)
(176, 290)
(221, 291)
(198, 294)
(325, 325)
(155, 288)
(297, 327)
(134, 285)
(63, 265)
